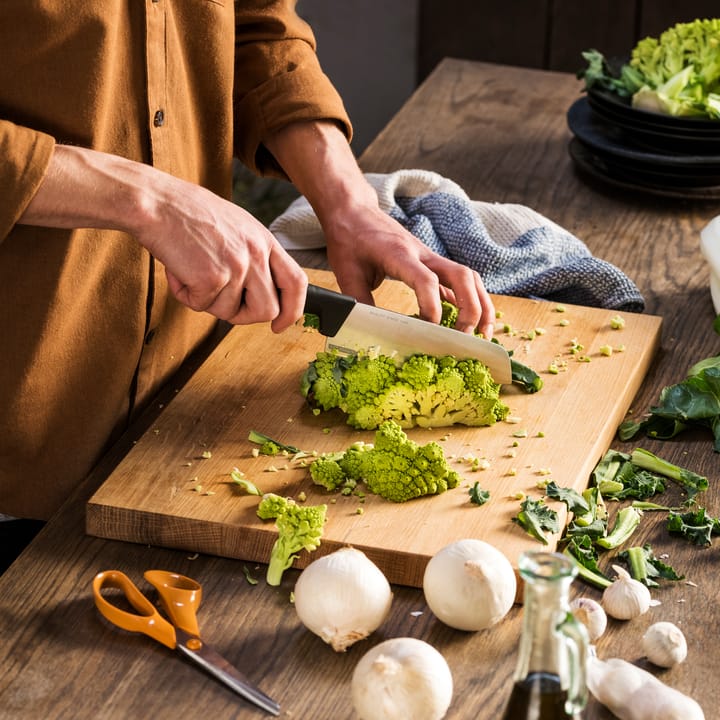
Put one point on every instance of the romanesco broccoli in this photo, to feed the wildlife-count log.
(423, 390)
(300, 527)
(394, 467)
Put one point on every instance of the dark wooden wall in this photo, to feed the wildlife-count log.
(549, 34)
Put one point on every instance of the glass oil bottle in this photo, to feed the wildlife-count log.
(549, 681)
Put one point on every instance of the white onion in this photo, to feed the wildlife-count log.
(342, 597)
(469, 585)
(402, 679)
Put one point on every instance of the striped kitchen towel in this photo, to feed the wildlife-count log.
(516, 250)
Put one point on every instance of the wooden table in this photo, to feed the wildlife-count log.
(500, 133)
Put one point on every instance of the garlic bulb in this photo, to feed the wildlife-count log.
(469, 585)
(400, 679)
(342, 597)
(626, 597)
(664, 644)
(591, 614)
(632, 693)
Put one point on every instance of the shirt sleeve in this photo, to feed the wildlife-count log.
(278, 80)
(24, 158)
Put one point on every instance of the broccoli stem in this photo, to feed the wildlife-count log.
(626, 523)
(636, 560)
(257, 437)
(588, 575)
(280, 561)
(646, 505)
(693, 482)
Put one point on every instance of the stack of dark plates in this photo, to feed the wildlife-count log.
(641, 150)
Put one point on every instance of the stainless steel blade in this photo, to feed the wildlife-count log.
(393, 333)
(202, 654)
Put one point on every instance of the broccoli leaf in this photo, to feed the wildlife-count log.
(582, 550)
(525, 377)
(478, 495)
(695, 525)
(311, 320)
(535, 517)
(693, 402)
(619, 478)
(691, 481)
(575, 502)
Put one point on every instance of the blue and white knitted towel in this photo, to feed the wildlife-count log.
(515, 250)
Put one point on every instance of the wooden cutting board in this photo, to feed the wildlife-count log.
(173, 489)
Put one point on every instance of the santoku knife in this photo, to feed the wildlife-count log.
(351, 326)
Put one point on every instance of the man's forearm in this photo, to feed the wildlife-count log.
(319, 161)
(84, 188)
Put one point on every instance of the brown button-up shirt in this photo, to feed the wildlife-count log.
(89, 329)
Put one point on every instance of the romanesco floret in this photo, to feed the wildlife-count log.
(300, 527)
(394, 467)
(421, 390)
(272, 505)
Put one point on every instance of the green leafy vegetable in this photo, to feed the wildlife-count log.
(582, 550)
(691, 481)
(270, 446)
(645, 567)
(693, 402)
(478, 496)
(619, 478)
(695, 525)
(575, 502)
(677, 73)
(535, 517)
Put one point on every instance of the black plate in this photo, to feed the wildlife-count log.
(596, 167)
(687, 125)
(657, 137)
(607, 138)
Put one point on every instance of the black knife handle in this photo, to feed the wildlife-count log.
(331, 308)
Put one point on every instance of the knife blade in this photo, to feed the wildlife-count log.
(351, 326)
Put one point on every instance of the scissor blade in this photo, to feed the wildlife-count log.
(220, 668)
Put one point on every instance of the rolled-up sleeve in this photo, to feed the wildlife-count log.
(24, 158)
(278, 80)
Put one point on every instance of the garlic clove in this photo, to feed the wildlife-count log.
(664, 644)
(626, 598)
(591, 614)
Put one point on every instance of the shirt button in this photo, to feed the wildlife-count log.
(159, 118)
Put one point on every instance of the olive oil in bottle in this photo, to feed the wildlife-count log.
(538, 697)
(549, 680)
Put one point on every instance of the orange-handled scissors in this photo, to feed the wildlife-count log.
(180, 598)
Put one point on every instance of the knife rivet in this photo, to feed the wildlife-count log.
(194, 644)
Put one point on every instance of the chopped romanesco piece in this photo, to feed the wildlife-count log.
(300, 527)
(394, 467)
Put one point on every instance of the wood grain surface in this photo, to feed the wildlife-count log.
(500, 133)
(166, 493)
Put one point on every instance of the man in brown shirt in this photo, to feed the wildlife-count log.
(118, 246)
